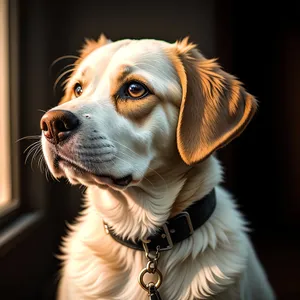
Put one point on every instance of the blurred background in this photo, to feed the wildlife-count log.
(258, 44)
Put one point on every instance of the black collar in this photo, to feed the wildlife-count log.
(175, 229)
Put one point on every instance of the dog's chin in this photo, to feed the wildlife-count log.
(79, 175)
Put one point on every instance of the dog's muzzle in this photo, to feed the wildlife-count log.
(58, 126)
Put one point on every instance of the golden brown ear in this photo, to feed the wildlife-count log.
(91, 45)
(215, 108)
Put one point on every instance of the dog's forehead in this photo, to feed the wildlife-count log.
(140, 50)
(130, 52)
(106, 67)
(101, 56)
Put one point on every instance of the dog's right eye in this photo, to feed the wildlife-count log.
(77, 90)
(133, 90)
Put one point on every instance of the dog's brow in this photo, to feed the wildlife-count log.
(124, 71)
(119, 77)
(84, 71)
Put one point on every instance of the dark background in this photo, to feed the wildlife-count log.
(260, 45)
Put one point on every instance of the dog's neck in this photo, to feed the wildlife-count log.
(216, 250)
(138, 211)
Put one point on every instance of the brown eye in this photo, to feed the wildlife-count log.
(136, 90)
(78, 90)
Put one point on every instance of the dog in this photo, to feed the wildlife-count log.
(139, 125)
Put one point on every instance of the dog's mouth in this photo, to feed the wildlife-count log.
(101, 179)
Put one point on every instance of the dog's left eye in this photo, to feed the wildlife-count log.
(136, 90)
(77, 90)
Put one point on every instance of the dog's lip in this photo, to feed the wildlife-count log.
(99, 178)
(123, 181)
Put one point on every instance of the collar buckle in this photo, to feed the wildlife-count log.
(175, 230)
(188, 220)
(168, 237)
(167, 233)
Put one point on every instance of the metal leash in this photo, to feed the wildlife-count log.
(151, 268)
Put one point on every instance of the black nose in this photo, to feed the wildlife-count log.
(58, 125)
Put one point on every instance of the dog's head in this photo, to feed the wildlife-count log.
(134, 106)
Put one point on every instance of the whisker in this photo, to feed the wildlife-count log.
(125, 147)
(44, 167)
(36, 149)
(47, 173)
(41, 110)
(60, 77)
(149, 181)
(63, 84)
(122, 160)
(30, 152)
(29, 137)
(31, 145)
(35, 154)
(66, 67)
(33, 148)
(42, 164)
(67, 79)
(51, 175)
(61, 58)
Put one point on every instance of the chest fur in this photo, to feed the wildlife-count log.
(108, 270)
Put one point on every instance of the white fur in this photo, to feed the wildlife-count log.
(216, 262)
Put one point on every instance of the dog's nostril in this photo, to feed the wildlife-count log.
(61, 126)
(44, 126)
(57, 125)
(66, 122)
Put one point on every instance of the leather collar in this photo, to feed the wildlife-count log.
(176, 229)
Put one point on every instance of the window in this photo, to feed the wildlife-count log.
(5, 172)
(9, 158)
(8, 187)
(33, 214)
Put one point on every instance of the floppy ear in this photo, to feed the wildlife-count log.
(215, 108)
(91, 45)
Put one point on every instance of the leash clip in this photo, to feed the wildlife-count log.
(153, 293)
(151, 268)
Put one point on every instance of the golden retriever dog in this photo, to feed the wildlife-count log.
(139, 125)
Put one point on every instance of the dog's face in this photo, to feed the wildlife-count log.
(131, 107)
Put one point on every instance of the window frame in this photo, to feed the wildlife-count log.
(19, 216)
(5, 177)
(30, 233)
(11, 208)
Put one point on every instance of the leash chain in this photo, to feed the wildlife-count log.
(151, 268)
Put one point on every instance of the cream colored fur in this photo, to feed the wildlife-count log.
(217, 261)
